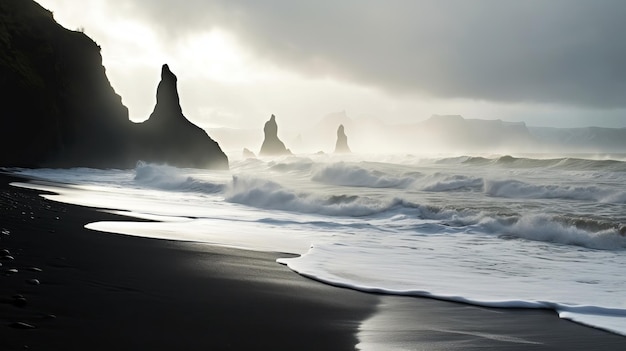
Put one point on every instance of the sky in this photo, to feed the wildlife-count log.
(557, 63)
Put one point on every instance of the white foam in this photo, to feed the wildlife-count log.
(484, 272)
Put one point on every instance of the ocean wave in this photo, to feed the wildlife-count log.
(476, 160)
(591, 165)
(517, 189)
(267, 194)
(344, 174)
(561, 230)
(441, 183)
(170, 178)
(293, 165)
(583, 232)
(562, 163)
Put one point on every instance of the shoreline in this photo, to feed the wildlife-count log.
(111, 291)
(102, 291)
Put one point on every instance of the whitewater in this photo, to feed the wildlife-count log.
(498, 231)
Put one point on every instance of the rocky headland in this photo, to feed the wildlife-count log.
(58, 108)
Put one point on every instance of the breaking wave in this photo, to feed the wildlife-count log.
(267, 194)
(587, 233)
(440, 183)
(567, 231)
(518, 189)
(565, 163)
(343, 174)
(169, 178)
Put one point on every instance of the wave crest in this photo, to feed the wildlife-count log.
(170, 178)
(343, 174)
(271, 195)
(541, 227)
(518, 189)
(442, 183)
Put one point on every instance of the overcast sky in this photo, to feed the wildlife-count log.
(548, 63)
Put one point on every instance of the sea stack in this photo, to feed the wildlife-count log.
(341, 147)
(169, 137)
(247, 153)
(272, 146)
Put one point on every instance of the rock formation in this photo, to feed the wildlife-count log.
(58, 109)
(247, 153)
(341, 147)
(173, 139)
(272, 146)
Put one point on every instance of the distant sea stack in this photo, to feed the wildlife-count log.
(247, 153)
(172, 138)
(58, 108)
(272, 146)
(341, 147)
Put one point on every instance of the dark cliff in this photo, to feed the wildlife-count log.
(57, 106)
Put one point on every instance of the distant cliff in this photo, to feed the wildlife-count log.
(58, 109)
(453, 132)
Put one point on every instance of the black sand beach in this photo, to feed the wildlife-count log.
(100, 291)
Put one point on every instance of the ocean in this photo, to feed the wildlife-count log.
(498, 231)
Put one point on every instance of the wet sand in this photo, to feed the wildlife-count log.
(101, 291)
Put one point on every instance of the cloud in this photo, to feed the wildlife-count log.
(560, 51)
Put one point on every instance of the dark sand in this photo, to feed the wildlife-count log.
(102, 291)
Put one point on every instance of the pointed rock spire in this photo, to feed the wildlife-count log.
(168, 102)
(271, 144)
(170, 137)
(342, 141)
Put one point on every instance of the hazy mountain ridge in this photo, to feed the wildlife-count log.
(456, 134)
(437, 134)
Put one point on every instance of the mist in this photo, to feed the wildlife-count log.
(436, 135)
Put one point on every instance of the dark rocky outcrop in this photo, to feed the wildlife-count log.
(172, 138)
(272, 146)
(58, 109)
(341, 147)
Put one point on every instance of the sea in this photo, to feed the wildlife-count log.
(534, 231)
